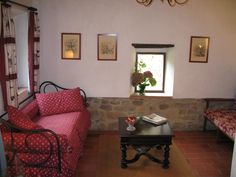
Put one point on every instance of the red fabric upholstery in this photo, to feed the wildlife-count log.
(70, 126)
(215, 114)
(224, 119)
(3, 128)
(60, 102)
(36, 142)
(37, 158)
(31, 109)
(19, 119)
(228, 126)
(75, 126)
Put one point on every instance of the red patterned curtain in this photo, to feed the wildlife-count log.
(33, 41)
(8, 69)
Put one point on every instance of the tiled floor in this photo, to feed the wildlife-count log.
(87, 164)
(207, 158)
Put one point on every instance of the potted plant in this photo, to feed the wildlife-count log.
(142, 79)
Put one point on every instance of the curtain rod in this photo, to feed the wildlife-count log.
(19, 4)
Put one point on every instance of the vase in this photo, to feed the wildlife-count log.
(131, 127)
(141, 90)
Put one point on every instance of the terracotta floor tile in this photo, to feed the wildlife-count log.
(207, 157)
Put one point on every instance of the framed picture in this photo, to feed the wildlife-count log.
(71, 46)
(199, 49)
(107, 47)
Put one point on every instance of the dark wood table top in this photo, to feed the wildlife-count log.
(144, 128)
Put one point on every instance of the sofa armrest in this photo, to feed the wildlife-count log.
(34, 159)
(39, 142)
(45, 141)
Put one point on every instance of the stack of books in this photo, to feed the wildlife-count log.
(155, 119)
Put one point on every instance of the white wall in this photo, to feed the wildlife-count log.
(134, 23)
(25, 2)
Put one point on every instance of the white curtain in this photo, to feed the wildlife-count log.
(8, 36)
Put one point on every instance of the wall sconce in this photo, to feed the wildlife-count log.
(171, 2)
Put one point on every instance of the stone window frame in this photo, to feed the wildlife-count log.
(169, 65)
(164, 70)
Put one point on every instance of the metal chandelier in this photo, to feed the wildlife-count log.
(171, 2)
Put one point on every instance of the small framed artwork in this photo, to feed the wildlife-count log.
(199, 49)
(71, 46)
(107, 47)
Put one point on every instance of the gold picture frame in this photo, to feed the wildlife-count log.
(71, 46)
(107, 47)
(199, 49)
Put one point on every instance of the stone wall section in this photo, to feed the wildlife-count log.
(183, 114)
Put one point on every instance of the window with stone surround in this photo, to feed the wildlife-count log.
(20, 17)
(155, 62)
(159, 59)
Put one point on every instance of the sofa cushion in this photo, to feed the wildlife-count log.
(19, 119)
(224, 119)
(63, 123)
(228, 126)
(214, 114)
(60, 102)
(31, 109)
(75, 126)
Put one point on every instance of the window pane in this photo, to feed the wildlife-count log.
(21, 28)
(155, 62)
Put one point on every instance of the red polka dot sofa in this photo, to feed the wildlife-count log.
(223, 118)
(46, 137)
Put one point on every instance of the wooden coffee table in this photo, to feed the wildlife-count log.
(145, 137)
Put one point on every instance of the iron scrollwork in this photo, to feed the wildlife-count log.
(171, 2)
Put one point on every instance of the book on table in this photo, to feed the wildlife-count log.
(155, 119)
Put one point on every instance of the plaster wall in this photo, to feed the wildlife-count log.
(133, 23)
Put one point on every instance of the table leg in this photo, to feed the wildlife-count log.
(166, 157)
(123, 156)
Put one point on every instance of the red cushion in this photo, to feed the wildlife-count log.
(31, 109)
(19, 119)
(60, 102)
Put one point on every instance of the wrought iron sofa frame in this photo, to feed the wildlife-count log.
(14, 129)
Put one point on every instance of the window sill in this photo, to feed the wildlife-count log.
(22, 93)
(150, 95)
